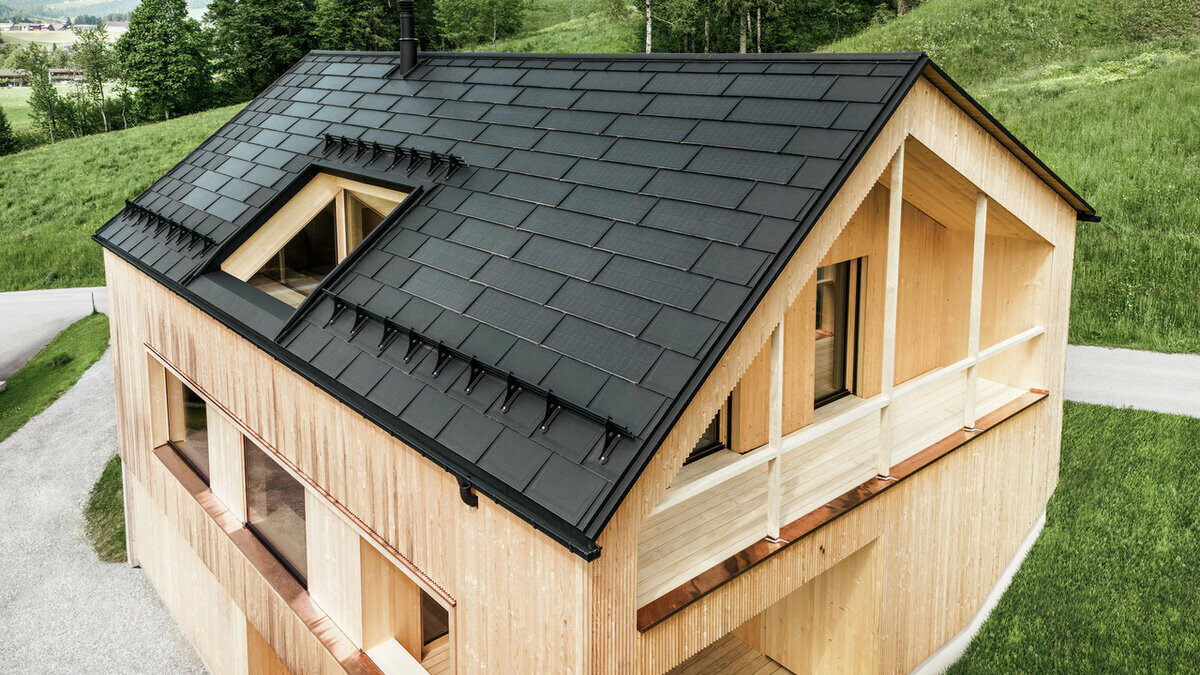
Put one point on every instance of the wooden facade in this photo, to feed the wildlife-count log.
(963, 299)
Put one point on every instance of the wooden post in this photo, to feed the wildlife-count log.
(981, 205)
(775, 433)
(890, 293)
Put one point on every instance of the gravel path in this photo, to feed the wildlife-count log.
(61, 609)
(1127, 378)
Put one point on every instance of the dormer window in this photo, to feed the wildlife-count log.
(293, 251)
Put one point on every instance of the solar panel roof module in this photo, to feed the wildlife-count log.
(584, 235)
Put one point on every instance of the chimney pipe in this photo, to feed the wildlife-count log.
(408, 37)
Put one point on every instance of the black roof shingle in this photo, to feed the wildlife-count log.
(616, 218)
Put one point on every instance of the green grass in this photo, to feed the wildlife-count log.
(1102, 91)
(1113, 583)
(596, 32)
(976, 40)
(52, 198)
(42, 37)
(15, 102)
(53, 371)
(105, 514)
(1130, 144)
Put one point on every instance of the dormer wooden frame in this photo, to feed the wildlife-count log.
(293, 216)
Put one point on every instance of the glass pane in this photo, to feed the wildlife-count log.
(292, 273)
(832, 309)
(188, 423)
(362, 217)
(709, 440)
(275, 508)
(435, 620)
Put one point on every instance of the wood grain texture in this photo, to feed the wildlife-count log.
(578, 617)
(928, 117)
(485, 557)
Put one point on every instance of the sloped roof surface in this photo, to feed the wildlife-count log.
(616, 218)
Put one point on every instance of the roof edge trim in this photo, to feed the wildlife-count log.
(659, 434)
(524, 508)
(959, 96)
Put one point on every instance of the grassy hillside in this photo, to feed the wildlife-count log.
(53, 198)
(550, 29)
(977, 40)
(1104, 91)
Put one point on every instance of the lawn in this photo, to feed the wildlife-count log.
(52, 198)
(15, 102)
(104, 514)
(42, 37)
(1113, 583)
(594, 32)
(53, 371)
(1104, 91)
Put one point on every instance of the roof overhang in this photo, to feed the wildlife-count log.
(963, 100)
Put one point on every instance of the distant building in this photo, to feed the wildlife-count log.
(12, 77)
(85, 26)
(63, 75)
(117, 26)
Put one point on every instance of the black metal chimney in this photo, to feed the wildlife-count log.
(408, 37)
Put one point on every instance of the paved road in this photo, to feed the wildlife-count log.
(30, 319)
(1167, 383)
(61, 609)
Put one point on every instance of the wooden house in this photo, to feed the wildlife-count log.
(461, 363)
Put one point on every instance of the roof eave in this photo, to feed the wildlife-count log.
(969, 105)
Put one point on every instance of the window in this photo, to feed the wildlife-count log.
(275, 509)
(837, 308)
(714, 438)
(187, 425)
(293, 251)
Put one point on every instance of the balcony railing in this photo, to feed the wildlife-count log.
(718, 505)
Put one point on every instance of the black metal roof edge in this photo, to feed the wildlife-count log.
(525, 508)
(659, 434)
(1088, 214)
(195, 150)
(657, 56)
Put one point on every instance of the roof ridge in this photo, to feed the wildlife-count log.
(656, 56)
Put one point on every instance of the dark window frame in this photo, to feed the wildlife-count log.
(722, 421)
(300, 576)
(849, 345)
(191, 464)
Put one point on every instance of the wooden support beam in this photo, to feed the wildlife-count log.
(775, 434)
(890, 294)
(976, 313)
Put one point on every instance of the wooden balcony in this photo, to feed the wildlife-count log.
(719, 505)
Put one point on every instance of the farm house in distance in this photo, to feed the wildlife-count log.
(456, 363)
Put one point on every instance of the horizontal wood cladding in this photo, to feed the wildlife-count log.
(506, 578)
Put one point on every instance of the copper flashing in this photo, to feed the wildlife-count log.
(348, 655)
(709, 580)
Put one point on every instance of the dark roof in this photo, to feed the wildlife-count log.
(616, 220)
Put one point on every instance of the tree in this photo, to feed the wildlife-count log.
(466, 22)
(357, 25)
(95, 58)
(256, 41)
(8, 140)
(164, 56)
(45, 105)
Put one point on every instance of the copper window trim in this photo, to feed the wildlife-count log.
(430, 586)
(276, 576)
(658, 610)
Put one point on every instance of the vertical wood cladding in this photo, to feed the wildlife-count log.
(524, 603)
